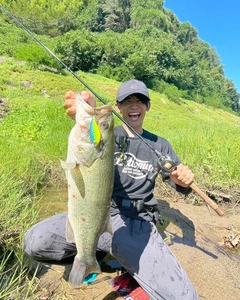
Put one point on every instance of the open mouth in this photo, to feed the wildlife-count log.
(134, 116)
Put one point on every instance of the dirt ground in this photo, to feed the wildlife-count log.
(195, 235)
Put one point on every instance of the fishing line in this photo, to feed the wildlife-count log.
(159, 155)
(162, 159)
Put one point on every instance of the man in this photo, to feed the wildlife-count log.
(135, 243)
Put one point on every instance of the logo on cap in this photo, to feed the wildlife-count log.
(134, 87)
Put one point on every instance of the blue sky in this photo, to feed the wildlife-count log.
(218, 24)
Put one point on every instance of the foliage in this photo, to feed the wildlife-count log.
(121, 40)
(46, 17)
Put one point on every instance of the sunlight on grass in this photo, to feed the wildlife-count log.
(34, 138)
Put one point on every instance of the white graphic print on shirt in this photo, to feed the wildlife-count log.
(132, 166)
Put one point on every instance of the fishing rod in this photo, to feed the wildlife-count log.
(78, 78)
(165, 162)
(159, 155)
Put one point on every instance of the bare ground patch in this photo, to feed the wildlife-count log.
(195, 235)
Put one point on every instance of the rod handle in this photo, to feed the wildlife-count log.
(209, 201)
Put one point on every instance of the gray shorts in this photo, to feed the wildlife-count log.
(135, 244)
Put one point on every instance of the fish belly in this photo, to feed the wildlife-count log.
(90, 191)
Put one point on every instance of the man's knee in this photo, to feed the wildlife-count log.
(46, 239)
(32, 244)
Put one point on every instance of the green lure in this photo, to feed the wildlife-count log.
(95, 133)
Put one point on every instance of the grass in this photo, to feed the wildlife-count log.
(34, 138)
(17, 212)
(14, 279)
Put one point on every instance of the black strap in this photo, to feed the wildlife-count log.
(131, 203)
(153, 211)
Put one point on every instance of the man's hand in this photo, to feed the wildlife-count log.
(70, 102)
(182, 176)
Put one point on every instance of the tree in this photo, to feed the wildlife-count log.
(114, 17)
(186, 33)
(125, 39)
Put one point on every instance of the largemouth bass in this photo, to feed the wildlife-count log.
(89, 171)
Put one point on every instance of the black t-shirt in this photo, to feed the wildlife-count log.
(136, 167)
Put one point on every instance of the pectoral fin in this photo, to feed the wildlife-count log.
(68, 165)
(69, 233)
(108, 227)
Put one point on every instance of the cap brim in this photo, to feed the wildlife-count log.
(141, 97)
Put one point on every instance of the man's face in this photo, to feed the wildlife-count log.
(133, 111)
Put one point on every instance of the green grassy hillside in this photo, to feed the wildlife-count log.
(206, 139)
(34, 138)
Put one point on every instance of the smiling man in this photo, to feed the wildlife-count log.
(133, 102)
(135, 241)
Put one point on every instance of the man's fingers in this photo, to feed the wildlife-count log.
(88, 97)
(70, 95)
(69, 103)
(183, 175)
(71, 111)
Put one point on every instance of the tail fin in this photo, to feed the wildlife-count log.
(80, 270)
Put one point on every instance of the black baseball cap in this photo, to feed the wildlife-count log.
(133, 87)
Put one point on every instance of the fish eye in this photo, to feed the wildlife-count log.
(104, 125)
